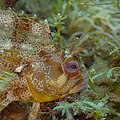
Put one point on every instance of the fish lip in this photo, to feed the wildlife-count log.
(77, 87)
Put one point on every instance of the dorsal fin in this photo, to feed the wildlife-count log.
(29, 34)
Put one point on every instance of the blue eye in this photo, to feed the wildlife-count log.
(72, 66)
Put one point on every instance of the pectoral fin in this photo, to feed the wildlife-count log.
(5, 78)
(4, 104)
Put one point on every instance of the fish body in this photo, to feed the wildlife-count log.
(31, 67)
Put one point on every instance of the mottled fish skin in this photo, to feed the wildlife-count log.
(31, 67)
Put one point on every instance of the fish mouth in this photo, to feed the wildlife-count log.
(78, 86)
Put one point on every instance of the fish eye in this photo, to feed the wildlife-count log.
(72, 66)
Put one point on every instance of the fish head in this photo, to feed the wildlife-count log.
(58, 76)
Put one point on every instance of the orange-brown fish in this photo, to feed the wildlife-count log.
(31, 67)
